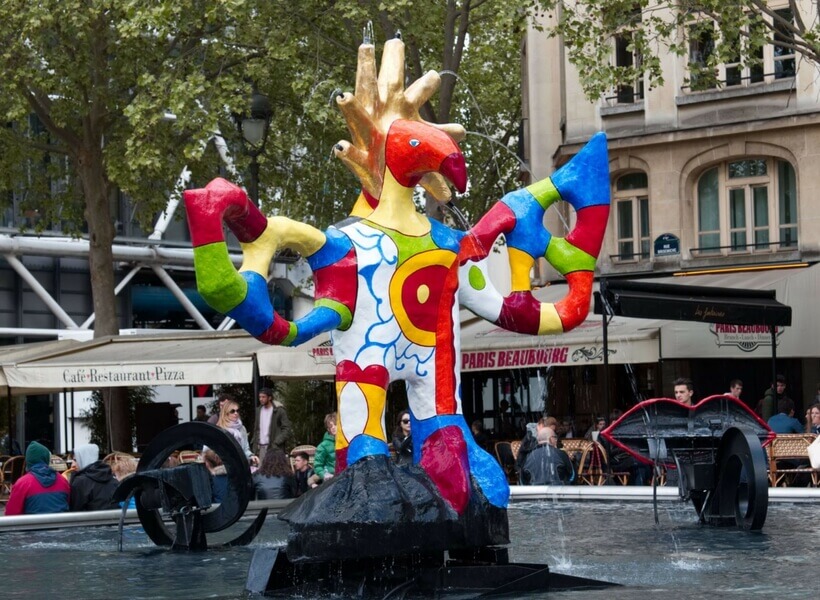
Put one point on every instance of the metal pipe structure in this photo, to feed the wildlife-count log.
(41, 292)
(78, 248)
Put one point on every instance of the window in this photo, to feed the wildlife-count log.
(736, 73)
(764, 63)
(627, 59)
(701, 47)
(783, 44)
(747, 205)
(632, 215)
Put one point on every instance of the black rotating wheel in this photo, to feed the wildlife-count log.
(240, 484)
(741, 495)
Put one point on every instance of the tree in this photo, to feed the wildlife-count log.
(736, 31)
(96, 416)
(103, 96)
(474, 45)
(85, 88)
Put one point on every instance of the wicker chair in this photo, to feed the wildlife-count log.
(307, 449)
(792, 448)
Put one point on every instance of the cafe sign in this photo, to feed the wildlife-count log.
(746, 337)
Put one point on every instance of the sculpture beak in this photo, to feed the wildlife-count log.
(454, 169)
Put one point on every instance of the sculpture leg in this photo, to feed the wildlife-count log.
(362, 394)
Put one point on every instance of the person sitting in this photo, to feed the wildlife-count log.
(784, 421)
(94, 484)
(219, 475)
(595, 429)
(813, 419)
(123, 465)
(547, 464)
(274, 480)
(479, 434)
(402, 440)
(324, 462)
(530, 442)
(301, 472)
(41, 490)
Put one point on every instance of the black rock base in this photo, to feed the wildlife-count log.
(377, 509)
(476, 573)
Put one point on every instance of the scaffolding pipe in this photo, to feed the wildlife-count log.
(41, 292)
(72, 248)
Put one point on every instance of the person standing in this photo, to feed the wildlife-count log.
(684, 390)
(272, 424)
(230, 421)
(771, 398)
(41, 490)
(221, 399)
(200, 414)
(93, 485)
(735, 388)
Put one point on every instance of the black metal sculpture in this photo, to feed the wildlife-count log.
(183, 493)
(716, 447)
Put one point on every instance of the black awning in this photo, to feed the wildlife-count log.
(646, 300)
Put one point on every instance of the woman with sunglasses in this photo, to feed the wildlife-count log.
(229, 421)
(402, 442)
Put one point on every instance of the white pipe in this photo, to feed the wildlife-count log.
(80, 248)
(171, 207)
(183, 299)
(41, 292)
(225, 155)
(31, 331)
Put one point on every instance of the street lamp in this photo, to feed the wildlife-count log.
(254, 128)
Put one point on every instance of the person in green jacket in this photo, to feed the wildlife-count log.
(324, 463)
(767, 405)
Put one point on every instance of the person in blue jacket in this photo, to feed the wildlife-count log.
(784, 421)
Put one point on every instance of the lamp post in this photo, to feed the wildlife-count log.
(254, 128)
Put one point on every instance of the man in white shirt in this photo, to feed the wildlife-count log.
(272, 425)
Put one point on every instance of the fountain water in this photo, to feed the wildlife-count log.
(615, 541)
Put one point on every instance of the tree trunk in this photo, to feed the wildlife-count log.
(91, 171)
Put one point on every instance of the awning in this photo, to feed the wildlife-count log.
(487, 347)
(194, 358)
(798, 288)
(10, 355)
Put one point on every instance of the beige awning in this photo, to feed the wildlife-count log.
(487, 347)
(193, 358)
(798, 288)
(11, 355)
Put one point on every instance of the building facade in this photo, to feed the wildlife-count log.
(715, 174)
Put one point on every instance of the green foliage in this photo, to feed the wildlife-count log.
(741, 29)
(96, 419)
(307, 403)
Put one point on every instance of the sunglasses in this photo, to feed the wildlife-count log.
(233, 411)
(405, 421)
